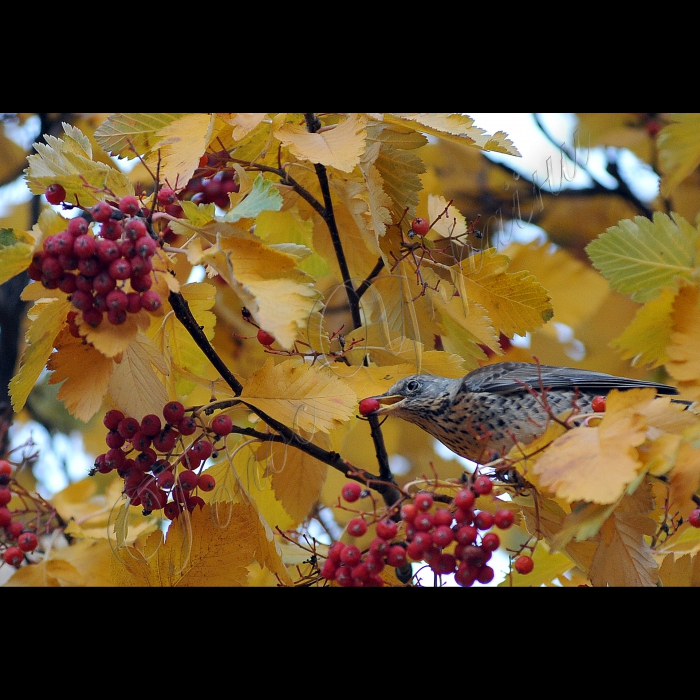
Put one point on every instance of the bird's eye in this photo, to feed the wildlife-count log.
(413, 385)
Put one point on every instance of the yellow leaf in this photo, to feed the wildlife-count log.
(623, 558)
(680, 570)
(684, 347)
(261, 276)
(84, 563)
(176, 344)
(451, 223)
(300, 395)
(457, 127)
(645, 340)
(297, 478)
(339, 147)
(181, 144)
(198, 551)
(134, 387)
(69, 161)
(515, 301)
(597, 464)
(16, 250)
(48, 318)
(85, 373)
(109, 339)
(242, 122)
(679, 150)
(122, 134)
(685, 477)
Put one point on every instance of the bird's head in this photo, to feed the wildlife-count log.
(416, 395)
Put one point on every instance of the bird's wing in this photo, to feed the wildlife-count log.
(507, 377)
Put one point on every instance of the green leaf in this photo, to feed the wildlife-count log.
(263, 197)
(640, 257)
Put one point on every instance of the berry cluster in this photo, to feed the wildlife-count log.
(159, 470)
(110, 273)
(452, 540)
(205, 190)
(20, 527)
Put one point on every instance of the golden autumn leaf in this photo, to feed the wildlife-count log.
(181, 144)
(339, 146)
(109, 339)
(84, 563)
(515, 301)
(261, 276)
(596, 464)
(679, 150)
(451, 223)
(16, 250)
(297, 478)
(134, 386)
(683, 349)
(48, 317)
(198, 551)
(623, 557)
(82, 392)
(300, 395)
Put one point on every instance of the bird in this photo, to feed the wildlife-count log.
(485, 413)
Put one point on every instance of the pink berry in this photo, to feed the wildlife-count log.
(129, 205)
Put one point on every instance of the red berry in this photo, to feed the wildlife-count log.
(357, 527)
(145, 246)
(443, 516)
(78, 226)
(112, 419)
(187, 425)
(151, 425)
(206, 482)
(387, 529)
(350, 555)
(598, 404)
(128, 427)
(409, 512)
(171, 510)
(55, 194)
(5, 467)
(368, 406)
(465, 499)
(173, 412)
(5, 496)
(334, 552)
(423, 521)
(84, 246)
(328, 569)
(343, 577)
(483, 485)
(13, 556)
(420, 226)
(490, 541)
(483, 520)
(222, 424)
(466, 534)
(351, 491)
(27, 541)
(129, 205)
(202, 449)
(14, 529)
(135, 229)
(442, 536)
(5, 516)
(396, 556)
(120, 269)
(694, 517)
(424, 501)
(166, 196)
(165, 480)
(485, 574)
(187, 480)
(524, 564)
(503, 518)
(151, 301)
(265, 338)
(101, 212)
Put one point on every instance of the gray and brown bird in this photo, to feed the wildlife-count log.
(487, 411)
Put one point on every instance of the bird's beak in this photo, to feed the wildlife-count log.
(388, 403)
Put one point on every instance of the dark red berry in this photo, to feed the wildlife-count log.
(483, 520)
(206, 482)
(503, 518)
(265, 338)
(151, 301)
(55, 194)
(173, 412)
(187, 425)
(187, 480)
(222, 424)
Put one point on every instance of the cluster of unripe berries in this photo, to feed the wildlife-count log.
(454, 539)
(105, 274)
(159, 470)
(17, 538)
